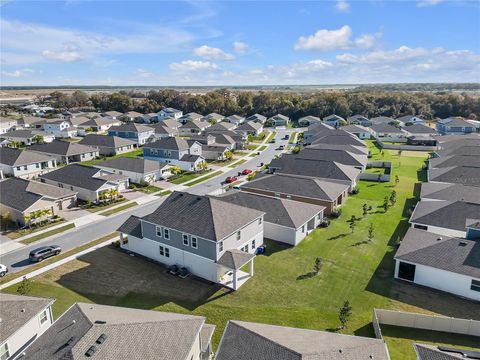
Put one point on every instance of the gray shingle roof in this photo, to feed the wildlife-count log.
(16, 311)
(309, 118)
(130, 334)
(64, 148)
(445, 214)
(466, 175)
(20, 134)
(284, 212)
(221, 126)
(136, 165)
(235, 118)
(204, 216)
(257, 117)
(190, 157)
(455, 160)
(386, 128)
(354, 149)
(456, 122)
(420, 129)
(235, 259)
(355, 129)
(99, 121)
(132, 226)
(452, 254)
(169, 143)
(16, 157)
(299, 186)
(431, 352)
(213, 116)
(76, 175)
(381, 120)
(105, 141)
(450, 192)
(252, 341)
(195, 124)
(280, 117)
(113, 113)
(250, 126)
(339, 156)
(131, 127)
(336, 137)
(161, 128)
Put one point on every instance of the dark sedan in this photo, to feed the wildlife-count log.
(44, 252)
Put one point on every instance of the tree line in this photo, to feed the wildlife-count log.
(323, 103)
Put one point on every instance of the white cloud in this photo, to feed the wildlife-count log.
(403, 53)
(425, 3)
(240, 47)
(18, 73)
(143, 73)
(212, 53)
(340, 39)
(342, 6)
(62, 56)
(192, 66)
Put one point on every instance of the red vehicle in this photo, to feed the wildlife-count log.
(246, 172)
(230, 179)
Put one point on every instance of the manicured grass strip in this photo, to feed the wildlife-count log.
(101, 208)
(118, 209)
(233, 166)
(24, 232)
(148, 189)
(47, 234)
(271, 136)
(262, 148)
(63, 255)
(163, 193)
(291, 140)
(204, 178)
(186, 177)
(253, 155)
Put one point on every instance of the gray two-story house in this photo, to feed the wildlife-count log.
(213, 239)
(186, 154)
(139, 133)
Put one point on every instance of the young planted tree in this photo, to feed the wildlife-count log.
(228, 155)
(397, 180)
(344, 314)
(24, 287)
(371, 230)
(393, 197)
(175, 170)
(386, 204)
(352, 222)
(365, 209)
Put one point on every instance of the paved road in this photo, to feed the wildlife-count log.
(18, 259)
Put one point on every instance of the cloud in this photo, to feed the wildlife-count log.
(143, 73)
(192, 66)
(426, 3)
(212, 53)
(342, 6)
(340, 39)
(240, 47)
(62, 56)
(18, 73)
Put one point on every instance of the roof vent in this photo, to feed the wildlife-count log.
(101, 339)
(91, 351)
(462, 243)
(101, 322)
(74, 321)
(439, 238)
(199, 198)
(22, 310)
(340, 351)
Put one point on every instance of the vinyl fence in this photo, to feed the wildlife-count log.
(405, 147)
(422, 321)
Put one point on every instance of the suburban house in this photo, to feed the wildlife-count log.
(215, 151)
(20, 197)
(333, 120)
(163, 131)
(285, 220)
(139, 133)
(255, 341)
(150, 118)
(222, 126)
(136, 169)
(279, 120)
(59, 128)
(411, 120)
(250, 128)
(96, 125)
(113, 332)
(449, 192)
(422, 140)
(189, 117)
(467, 146)
(132, 116)
(466, 175)
(213, 118)
(419, 130)
(326, 194)
(28, 137)
(230, 139)
(454, 160)
(322, 169)
(309, 120)
(257, 118)
(340, 156)
(88, 182)
(25, 163)
(7, 124)
(422, 259)
(213, 239)
(67, 152)
(315, 130)
(109, 145)
(335, 137)
(169, 113)
(359, 120)
(449, 218)
(385, 120)
(24, 319)
(27, 122)
(387, 132)
(193, 127)
(358, 130)
(115, 115)
(454, 126)
(235, 119)
(186, 154)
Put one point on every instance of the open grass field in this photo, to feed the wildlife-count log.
(133, 154)
(352, 269)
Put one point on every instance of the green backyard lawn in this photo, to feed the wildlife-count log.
(133, 154)
(352, 269)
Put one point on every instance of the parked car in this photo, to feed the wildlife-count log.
(281, 147)
(3, 270)
(246, 172)
(44, 252)
(231, 179)
(287, 137)
(272, 141)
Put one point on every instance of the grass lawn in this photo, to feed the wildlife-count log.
(96, 208)
(240, 162)
(47, 234)
(148, 189)
(264, 147)
(352, 269)
(15, 234)
(271, 136)
(118, 209)
(204, 178)
(252, 155)
(163, 193)
(132, 154)
(186, 176)
(292, 137)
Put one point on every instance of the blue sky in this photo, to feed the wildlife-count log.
(238, 43)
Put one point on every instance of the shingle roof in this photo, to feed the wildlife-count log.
(455, 160)
(381, 119)
(456, 122)
(333, 117)
(132, 127)
(133, 114)
(137, 165)
(355, 129)
(221, 126)
(48, 191)
(171, 123)
(296, 185)
(250, 125)
(431, 352)
(335, 137)
(450, 192)
(213, 116)
(235, 259)
(169, 143)
(283, 212)
(105, 141)
(280, 117)
(204, 216)
(99, 121)
(420, 129)
(385, 128)
(445, 214)
(191, 116)
(235, 117)
(359, 118)
(340, 156)
(16, 157)
(132, 226)
(448, 253)
(64, 148)
(190, 157)
(466, 175)
(309, 118)
(76, 175)
(161, 128)
(16, 311)
(252, 341)
(256, 117)
(407, 118)
(132, 334)
(195, 124)
(23, 134)
(355, 149)
(113, 113)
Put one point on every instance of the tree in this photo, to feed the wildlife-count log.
(397, 180)
(24, 287)
(365, 209)
(202, 166)
(393, 197)
(38, 139)
(296, 150)
(344, 313)
(175, 170)
(228, 155)
(399, 152)
(385, 204)
(15, 144)
(371, 230)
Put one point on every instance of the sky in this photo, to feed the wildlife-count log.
(183, 43)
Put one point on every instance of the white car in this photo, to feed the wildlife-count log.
(3, 270)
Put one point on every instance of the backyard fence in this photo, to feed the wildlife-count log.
(387, 165)
(405, 147)
(423, 321)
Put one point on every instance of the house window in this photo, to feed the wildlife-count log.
(185, 240)
(25, 167)
(167, 252)
(289, 196)
(239, 235)
(194, 242)
(303, 228)
(406, 271)
(245, 248)
(83, 156)
(253, 244)
(162, 251)
(166, 233)
(260, 221)
(220, 246)
(19, 168)
(277, 195)
(159, 231)
(43, 317)
(37, 165)
(4, 354)
(475, 285)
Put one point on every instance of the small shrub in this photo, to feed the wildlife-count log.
(355, 191)
(336, 213)
(325, 223)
